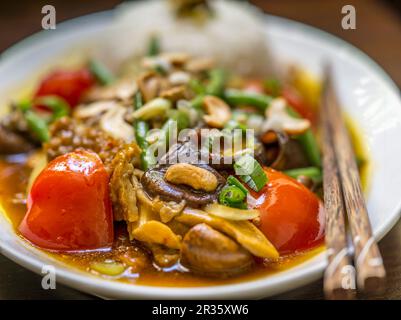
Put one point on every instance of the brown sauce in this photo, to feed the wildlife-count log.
(13, 181)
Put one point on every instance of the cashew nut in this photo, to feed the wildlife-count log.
(218, 112)
(278, 119)
(193, 176)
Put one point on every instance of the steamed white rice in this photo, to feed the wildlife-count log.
(234, 37)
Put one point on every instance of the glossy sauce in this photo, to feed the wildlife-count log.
(13, 181)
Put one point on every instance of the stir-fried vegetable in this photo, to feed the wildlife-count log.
(216, 83)
(251, 172)
(239, 97)
(101, 73)
(108, 268)
(235, 214)
(141, 130)
(311, 172)
(233, 181)
(232, 196)
(154, 46)
(309, 143)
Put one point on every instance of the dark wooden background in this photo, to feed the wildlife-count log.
(378, 33)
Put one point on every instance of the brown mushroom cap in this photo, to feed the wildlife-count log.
(208, 252)
(154, 184)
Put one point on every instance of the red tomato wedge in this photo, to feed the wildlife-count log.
(291, 216)
(67, 84)
(69, 206)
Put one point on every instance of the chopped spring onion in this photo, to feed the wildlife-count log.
(154, 108)
(233, 181)
(228, 213)
(312, 172)
(239, 97)
(232, 196)
(250, 172)
(154, 46)
(108, 268)
(101, 73)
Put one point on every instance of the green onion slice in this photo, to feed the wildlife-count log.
(250, 172)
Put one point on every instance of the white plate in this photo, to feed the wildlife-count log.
(366, 93)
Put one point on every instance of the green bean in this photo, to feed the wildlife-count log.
(57, 105)
(308, 142)
(240, 97)
(154, 46)
(101, 73)
(312, 172)
(215, 87)
(37, 125)
(141, 130)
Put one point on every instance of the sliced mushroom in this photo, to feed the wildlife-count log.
(11, 142)
(150, 84)
(113, 122)
(244, 232)
(208, 252)
(283, 152)
(175, 93)
(218, 112)
(278, 119)
(122, 90)
(154, 183)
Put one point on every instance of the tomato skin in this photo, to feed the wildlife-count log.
(69, 206)
(67, 84)
(292, 216)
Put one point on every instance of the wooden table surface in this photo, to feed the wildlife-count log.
(378, 33)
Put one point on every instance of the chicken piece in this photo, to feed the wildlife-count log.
(209, 252)
(124, 183)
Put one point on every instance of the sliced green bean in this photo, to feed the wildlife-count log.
(154, 46)
(217, 81)
(101, 73)
(239, 97)
(141, 130)
(312, 172)
(57, 105)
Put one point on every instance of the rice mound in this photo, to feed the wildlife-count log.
(234, 36)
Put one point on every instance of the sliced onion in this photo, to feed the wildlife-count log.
(229, 213)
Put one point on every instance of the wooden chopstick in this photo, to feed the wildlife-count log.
(336, 239)
(367, 259)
